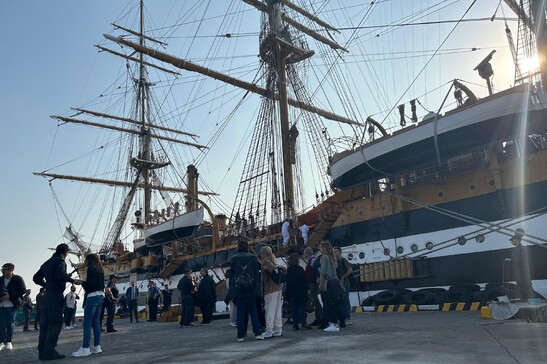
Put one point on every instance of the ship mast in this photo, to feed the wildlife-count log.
(276, 27)
(270, 184)
(145, 138)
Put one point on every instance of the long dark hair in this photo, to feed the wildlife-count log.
(93, 260)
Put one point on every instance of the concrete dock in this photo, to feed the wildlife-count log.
(409, 337)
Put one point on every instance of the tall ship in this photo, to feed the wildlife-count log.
(418, 196)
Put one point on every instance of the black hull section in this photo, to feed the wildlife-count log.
(484, 207)
(481, 267)
(422, 153)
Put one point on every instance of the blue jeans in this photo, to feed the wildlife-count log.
(298, 311)
(246, 307)
(7, 323)
(92, 315)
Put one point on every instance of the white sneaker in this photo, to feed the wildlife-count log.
(259, 337)
(332, 328)
(267, 334)
(277, 333)
(68, 327)
(96, 350)
(2, 346)
(348, 322)
(240, 339)
(82, 352)
(74, 326)
(9, 346)
(233, 324)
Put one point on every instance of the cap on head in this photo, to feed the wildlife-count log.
(113, 276)
(186, 271)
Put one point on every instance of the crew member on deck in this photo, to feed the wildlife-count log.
(285, 233)
(304, 230)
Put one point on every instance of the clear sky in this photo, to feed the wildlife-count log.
(49, 64)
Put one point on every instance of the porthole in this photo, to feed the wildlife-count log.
(462, 240)
(479, 238)
(400, 249)
(350, 256)
(491, 182)
(440, 194)
(472, 187)
(361, 255)
(429, 245)
(387, 252)
(414, 247)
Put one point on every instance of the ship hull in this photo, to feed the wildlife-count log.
(486, 207)
(440, 258)
(495, 119)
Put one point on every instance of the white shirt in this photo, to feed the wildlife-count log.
(285, 228)
(6, 303)
(304, 229)
(70, 299)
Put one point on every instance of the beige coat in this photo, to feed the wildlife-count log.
(268, 285)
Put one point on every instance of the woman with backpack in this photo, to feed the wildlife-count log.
(273, 299)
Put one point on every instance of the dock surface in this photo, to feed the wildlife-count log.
(418, 337)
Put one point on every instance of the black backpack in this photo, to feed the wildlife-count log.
(245, 278)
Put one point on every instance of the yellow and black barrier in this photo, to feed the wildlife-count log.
(462, 306)
(445, 307)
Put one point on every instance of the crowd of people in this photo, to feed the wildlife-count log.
(257, 287)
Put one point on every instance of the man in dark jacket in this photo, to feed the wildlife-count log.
(187, 290)
(312, 276)
(344, 272)
(27, 309)
(166, 294)
(132, 294)
(245, 289)
(207, 297)
(111, 294)
(53, 276)
(153, 297)
(12, 289)
(37, 306)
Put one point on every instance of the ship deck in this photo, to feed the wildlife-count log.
(419, 337)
